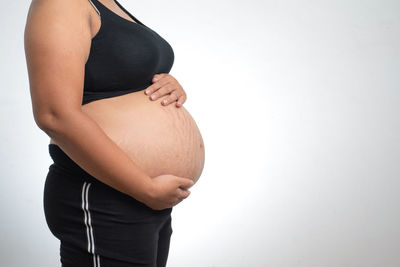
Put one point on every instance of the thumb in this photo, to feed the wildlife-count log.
(186, 183)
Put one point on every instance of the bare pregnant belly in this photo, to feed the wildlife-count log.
(159, 139)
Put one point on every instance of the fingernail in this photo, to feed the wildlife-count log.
(165, 101)
(153, 97)
(147, 92)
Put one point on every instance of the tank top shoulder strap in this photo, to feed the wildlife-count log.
(95, 6)
(104, 11)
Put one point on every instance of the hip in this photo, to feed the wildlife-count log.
(93, 217)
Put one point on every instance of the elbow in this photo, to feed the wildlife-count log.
(54, 123)
(46, 122)
(49, 123)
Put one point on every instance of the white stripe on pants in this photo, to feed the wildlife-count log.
(87, 221)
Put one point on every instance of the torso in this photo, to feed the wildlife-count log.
(159, 139)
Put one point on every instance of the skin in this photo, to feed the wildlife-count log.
(164, 85)
(57, 43)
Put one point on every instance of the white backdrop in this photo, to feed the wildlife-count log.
(298, 103)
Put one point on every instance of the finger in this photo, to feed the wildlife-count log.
(181, 100)
(155, 86)
(183, 194)
(164, 90)
(170, 99)
(176, 202)
(185, 183)
(158, 76)
(152, 88)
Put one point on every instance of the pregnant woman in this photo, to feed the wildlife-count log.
(122, 159)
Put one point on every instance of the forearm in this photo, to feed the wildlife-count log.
(82, 139)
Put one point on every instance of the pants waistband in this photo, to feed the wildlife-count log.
(64, 162)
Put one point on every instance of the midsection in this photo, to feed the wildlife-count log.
(159, 139)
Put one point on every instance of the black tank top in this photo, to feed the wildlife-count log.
(124, 56)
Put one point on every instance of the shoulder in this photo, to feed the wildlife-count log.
(55, 12)
(57, 43)
(58, 21)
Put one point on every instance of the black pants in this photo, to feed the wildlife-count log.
(98, 225)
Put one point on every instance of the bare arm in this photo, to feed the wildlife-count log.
(57, 44)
